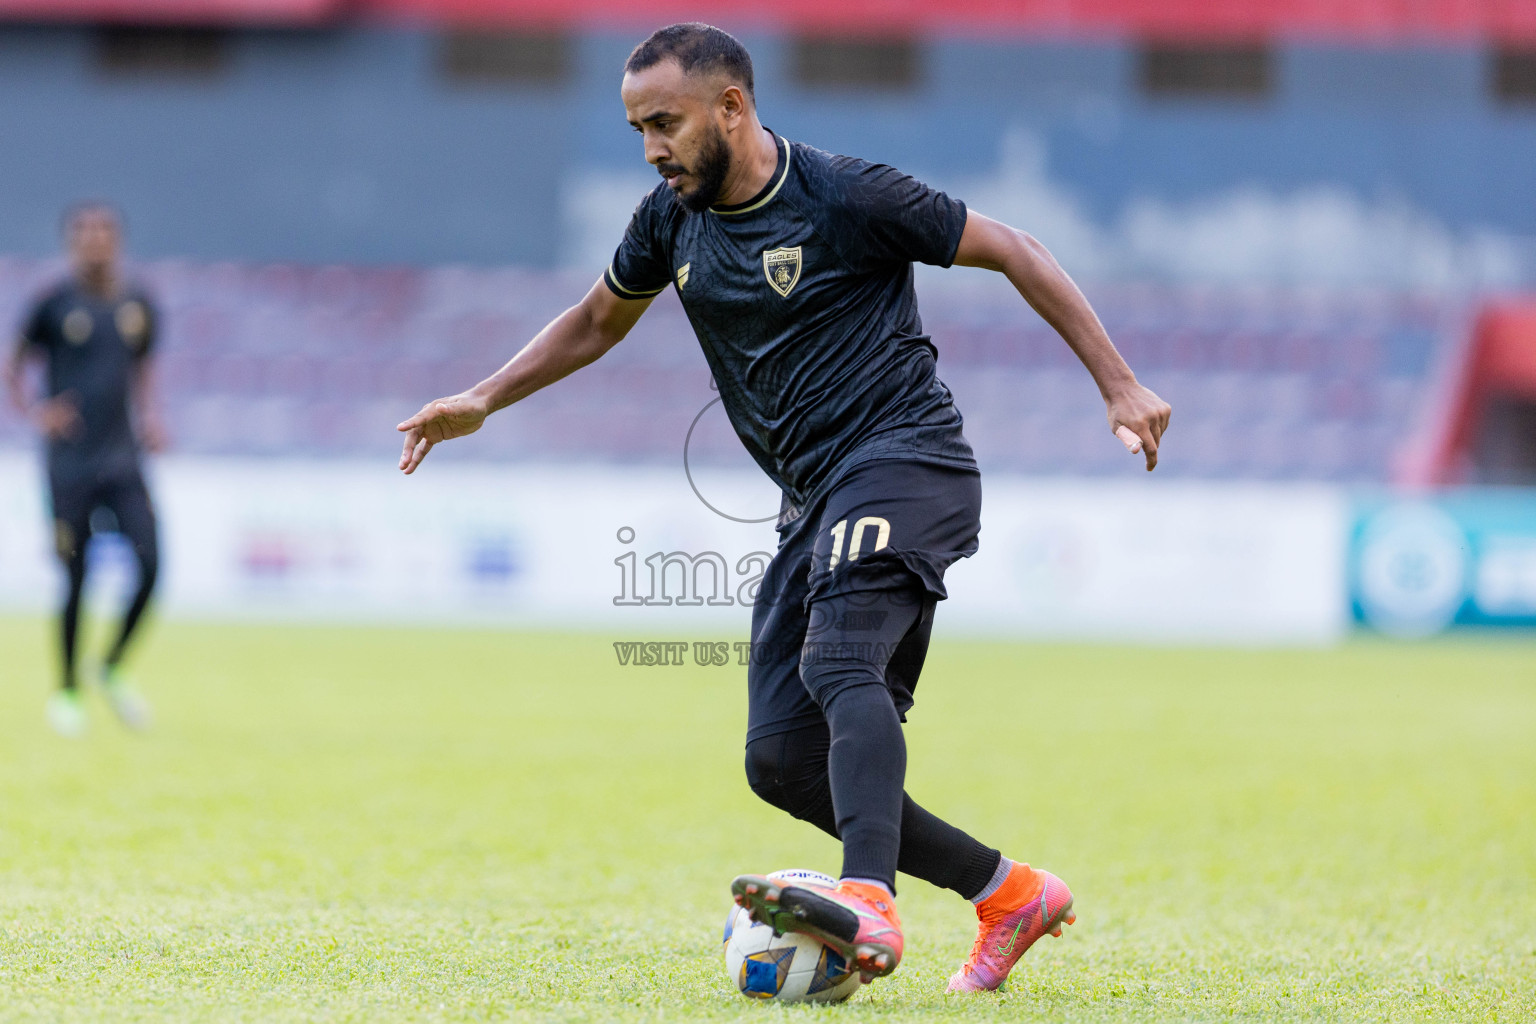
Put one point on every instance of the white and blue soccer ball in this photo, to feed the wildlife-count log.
(791, 968)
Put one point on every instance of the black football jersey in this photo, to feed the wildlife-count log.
(92, 345)
(802, 299)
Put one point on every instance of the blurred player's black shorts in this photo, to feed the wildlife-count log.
(76, 496)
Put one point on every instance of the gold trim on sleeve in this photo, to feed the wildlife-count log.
(613, 279)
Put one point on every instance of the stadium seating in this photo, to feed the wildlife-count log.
(323, 361)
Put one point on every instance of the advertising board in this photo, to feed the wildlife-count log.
(650, 550)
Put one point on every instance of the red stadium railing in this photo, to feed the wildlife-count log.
(1506, 20)
(293, 13)
(1496, 366)
(1500, 20)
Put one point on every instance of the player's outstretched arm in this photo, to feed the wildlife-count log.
(1136, 415)
(572, 340)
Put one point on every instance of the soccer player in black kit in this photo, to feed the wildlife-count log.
(795, 269)
(94, 332)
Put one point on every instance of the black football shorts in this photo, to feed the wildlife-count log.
(885, 531)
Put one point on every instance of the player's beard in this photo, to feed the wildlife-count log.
(711, 167)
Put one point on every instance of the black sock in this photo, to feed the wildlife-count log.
(136, 519)
(148, 570)
(866, 765)
(862, 653)
(935, 851)
(789, 771)
(69, 618)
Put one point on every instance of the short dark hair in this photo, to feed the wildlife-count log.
(74, 211)
(698, 49)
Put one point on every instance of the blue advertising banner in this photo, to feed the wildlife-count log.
(1462, 558)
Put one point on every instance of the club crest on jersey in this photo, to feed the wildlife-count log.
(132, 324)
(782, 267)
(77, 327)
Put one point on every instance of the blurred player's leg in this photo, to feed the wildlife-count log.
(71, 528)
(73, 556)
(129, 502)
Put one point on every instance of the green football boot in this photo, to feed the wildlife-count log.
(66, 714)
(130, 706)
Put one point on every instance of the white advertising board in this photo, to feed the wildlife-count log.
(610, 547)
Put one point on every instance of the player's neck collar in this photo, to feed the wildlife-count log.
(107, 289)
(770, 190)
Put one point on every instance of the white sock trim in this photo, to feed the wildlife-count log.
(1004, 865)
(868, 881)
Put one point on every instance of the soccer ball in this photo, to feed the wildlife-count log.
(792, 968)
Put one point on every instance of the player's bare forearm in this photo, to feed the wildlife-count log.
(15, 387)
(146, 407)
(1136, 415)
(56, 417)
(573, 339)
(1046, 287)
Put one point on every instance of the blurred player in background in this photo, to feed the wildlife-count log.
(795, 269)
(94, 334)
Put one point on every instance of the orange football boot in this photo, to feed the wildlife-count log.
(856, 919)
(1026, 906)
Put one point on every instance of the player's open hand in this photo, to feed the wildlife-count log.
(58, 418)
(153, 435)
(1138, 418)
(438, 421)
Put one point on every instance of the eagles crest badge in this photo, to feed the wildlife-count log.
(132, 324)
(782, 267)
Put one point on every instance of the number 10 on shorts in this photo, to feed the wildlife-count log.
(882, 538)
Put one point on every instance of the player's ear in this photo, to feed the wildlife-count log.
(732, 106)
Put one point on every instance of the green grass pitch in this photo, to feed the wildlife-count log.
(378, 824)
